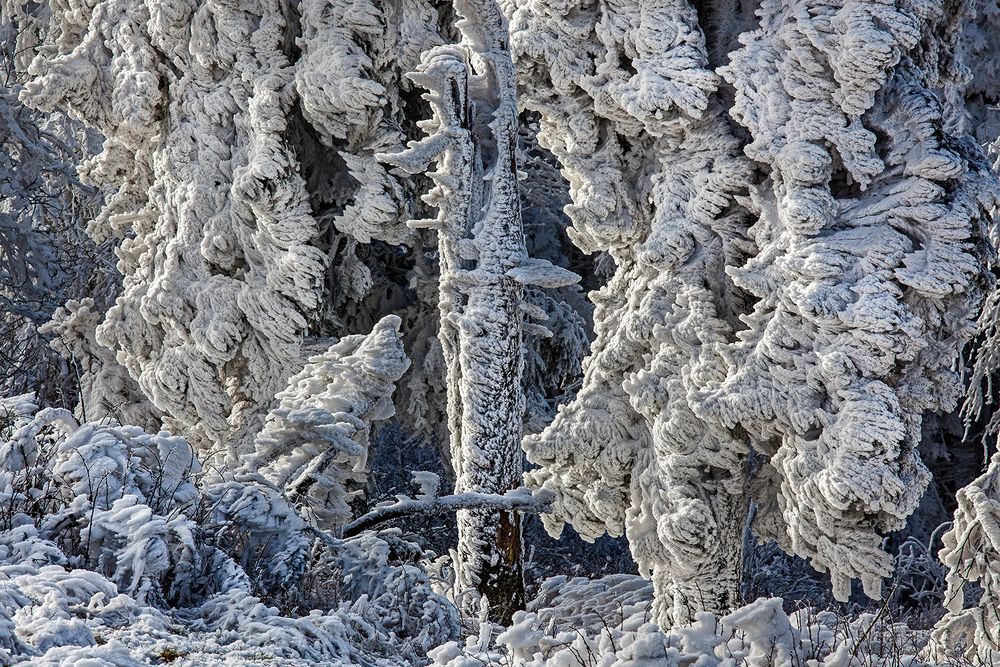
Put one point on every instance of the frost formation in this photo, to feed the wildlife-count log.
(631, 431)
(971, 552)
(607, 622)
(789, 213)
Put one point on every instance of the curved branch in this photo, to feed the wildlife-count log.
(518, 500)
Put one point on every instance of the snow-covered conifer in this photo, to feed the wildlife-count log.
(817, 336)
(653, 176)
(867, 274)
(231, 143)
(314, 444)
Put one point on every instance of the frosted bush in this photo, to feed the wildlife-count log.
(314, 444)
(114, 546)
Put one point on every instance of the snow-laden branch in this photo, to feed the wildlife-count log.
(971, 551)
(106, 528)
(516, 500)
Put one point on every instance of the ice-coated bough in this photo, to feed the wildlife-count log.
(106, 388)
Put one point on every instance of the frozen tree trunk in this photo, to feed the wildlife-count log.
(489, 457)
(484, 268)
(714, 581)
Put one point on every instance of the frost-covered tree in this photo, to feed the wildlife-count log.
(239, 142)
(653, 178)
(246, 204)
(203, 292)
(473, 140)
(45, 256)
(807, 305)
(868, 273)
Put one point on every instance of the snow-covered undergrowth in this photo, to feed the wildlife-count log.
(116, 548)
(609, 622)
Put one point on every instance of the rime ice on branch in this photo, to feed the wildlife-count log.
(972, 553)
(106, 389)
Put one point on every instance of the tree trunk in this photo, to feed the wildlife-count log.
(715, 583)
(484, 267)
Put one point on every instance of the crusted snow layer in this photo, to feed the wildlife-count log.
(113, 548)
(609, 622)
(314, 444)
